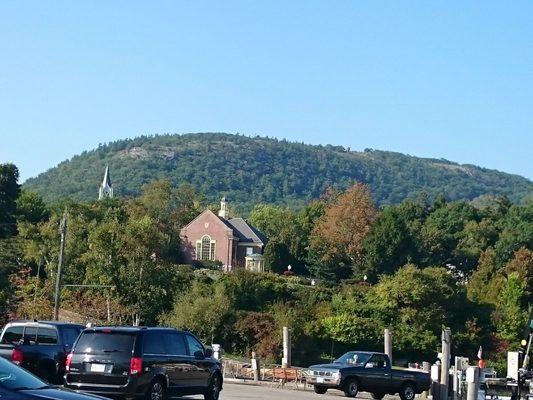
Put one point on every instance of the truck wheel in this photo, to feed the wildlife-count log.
(320, 389)
(378, 396)
(351, 388)
(408, 392)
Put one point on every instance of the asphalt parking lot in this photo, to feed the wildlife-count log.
(234, 391)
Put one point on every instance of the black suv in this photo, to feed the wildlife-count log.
(139, 362)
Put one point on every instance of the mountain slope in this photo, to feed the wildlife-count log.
(262, 170)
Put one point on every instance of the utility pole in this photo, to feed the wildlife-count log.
(63, 233)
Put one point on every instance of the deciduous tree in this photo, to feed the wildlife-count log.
(337, 238)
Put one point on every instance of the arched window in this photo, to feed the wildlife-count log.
(205, 248)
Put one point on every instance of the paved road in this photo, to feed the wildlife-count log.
(234, 391)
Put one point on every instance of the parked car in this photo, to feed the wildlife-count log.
(18, 384)
(141, 362)
(371, 372)
(41, 347)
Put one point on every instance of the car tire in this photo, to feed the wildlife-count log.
(320, 389)
(351, 387)
(213, 390)
(378, 396)
(408, 391)
(156, 391)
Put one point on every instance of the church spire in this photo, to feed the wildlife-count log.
(223, 212)
(106, 189)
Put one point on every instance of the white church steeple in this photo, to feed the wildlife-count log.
(223, 212)
(106, 189)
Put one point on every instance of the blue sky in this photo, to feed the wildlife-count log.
(438, 79)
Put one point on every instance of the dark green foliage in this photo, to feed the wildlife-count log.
(257, 170)
(467, 265)
(393, 240)
(9, 192)
(31, 208)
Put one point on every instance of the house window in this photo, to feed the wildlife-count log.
(206, 248)
(249, 251)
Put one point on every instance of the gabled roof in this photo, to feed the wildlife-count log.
(245, 232)
(208, 211)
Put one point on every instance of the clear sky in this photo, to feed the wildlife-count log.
(445, 79)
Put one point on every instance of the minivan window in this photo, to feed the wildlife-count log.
(152, 343)
(194, 345)
(99, 342)
(46, 336)
(175, 344)
(12, 335)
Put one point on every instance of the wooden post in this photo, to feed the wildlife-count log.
(286, 361)
(445, 363)
(426, 367)
(63, 233)
(435, 381)
(472, 379)
(255, 366)
(388, 344)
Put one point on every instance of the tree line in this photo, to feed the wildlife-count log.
(254, 170)
(414, 267)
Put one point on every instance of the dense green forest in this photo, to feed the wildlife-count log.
(261, 170)
(413, 267)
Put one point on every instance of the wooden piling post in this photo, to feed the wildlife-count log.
(255, 366)
(286, 361)
(445, 363)
(388, 344)
(472, 379)
(426, 367)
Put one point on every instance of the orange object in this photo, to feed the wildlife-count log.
(481, 364)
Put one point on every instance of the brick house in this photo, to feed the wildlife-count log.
(233, 242)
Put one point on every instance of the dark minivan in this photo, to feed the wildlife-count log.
(141, 362)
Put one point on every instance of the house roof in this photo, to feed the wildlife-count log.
(245, 232)
(206, 211)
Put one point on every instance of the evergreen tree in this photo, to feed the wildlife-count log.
(9, 192)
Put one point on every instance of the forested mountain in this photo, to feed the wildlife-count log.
(251, 170)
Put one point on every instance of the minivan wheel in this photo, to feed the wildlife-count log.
(213, 390)
(156, 391)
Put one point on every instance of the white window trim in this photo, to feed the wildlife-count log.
(212, 249)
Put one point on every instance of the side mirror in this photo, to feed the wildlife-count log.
(208, 353)
(369, 365)
(199, 355)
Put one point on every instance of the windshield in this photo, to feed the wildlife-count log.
(15, 378)
(354, 358)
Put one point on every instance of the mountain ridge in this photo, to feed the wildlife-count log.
(266, 170)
